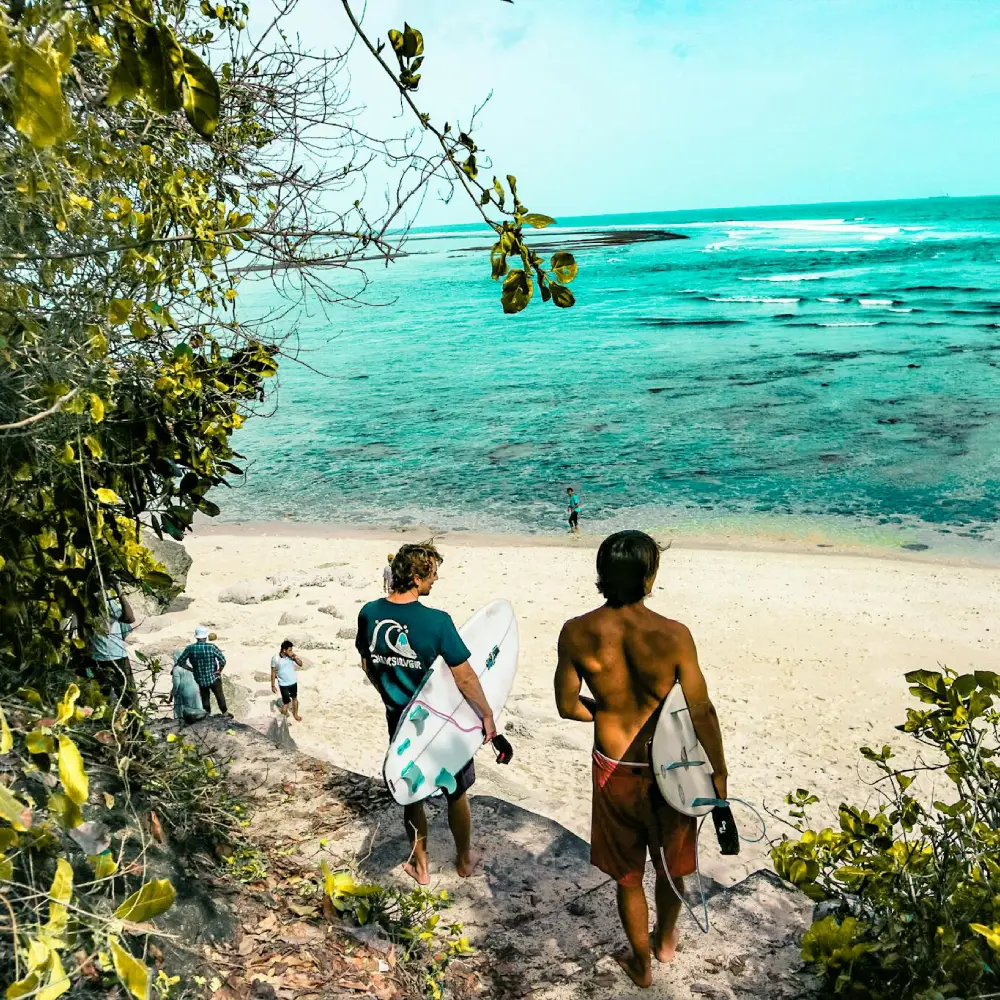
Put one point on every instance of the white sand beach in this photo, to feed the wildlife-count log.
(804, 652)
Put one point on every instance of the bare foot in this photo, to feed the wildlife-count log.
(641, 975)
(467, 866)
(297, 718)
(664, 948)
(418, 872)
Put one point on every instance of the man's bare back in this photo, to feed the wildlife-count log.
(629, 658)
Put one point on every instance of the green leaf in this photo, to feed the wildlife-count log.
(66, 707)
(14, 810)
(413, 42)
(126, 78)
(104, 864)
(60, 894)
(160, 60)
(536, 221)
(71, 771)
(67, 813)
(992, 934)
(38, 741)
(562, 296)
(563, 264)
(133, 973)
(119, 310)
(150, 901)
(40, 110)
(6, 739)
(396, 41)
(517, 291)
(200, 94)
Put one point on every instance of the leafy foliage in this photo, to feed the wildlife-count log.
(460, 152)
(915, 883)
(411, 919)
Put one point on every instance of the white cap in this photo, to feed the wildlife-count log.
(201, 632)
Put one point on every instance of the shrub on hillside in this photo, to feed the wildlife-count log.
(910, 890)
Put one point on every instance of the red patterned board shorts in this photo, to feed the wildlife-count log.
(630, 819)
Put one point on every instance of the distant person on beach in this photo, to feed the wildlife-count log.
(283, 675)
(573, 510)
(206, 662)
(630, 658)
(387, 576)
(108, 650)
(398, 640)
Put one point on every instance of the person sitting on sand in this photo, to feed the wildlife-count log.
(184, 695)
(398, 640)
(630, 658)
(387, 576)
(283, 674)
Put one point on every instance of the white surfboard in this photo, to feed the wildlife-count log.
(681, 766)
(440, 732)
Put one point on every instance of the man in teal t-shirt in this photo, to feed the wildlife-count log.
(398, 641)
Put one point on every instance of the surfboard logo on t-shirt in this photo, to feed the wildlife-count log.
(394, 637)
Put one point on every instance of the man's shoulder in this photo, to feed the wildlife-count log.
(371, 608)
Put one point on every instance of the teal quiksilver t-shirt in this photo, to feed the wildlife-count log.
(401, 642)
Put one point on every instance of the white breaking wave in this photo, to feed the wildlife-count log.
(875, 303)
(826, 249)
(807, 276)
(831, 298)
(754, 298)
(849, 323)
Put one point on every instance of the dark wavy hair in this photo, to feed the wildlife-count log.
(412, 562)
(625, 561)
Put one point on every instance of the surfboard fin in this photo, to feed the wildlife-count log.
(446, 780)
(413, 777)
(418, 717)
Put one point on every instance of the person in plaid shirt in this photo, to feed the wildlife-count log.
(206, 662)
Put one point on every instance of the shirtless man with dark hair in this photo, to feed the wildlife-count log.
(630, 658)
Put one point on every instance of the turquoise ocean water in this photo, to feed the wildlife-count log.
(827, 366)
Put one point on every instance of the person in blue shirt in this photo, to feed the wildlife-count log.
(108, 650)
(398, 640)
(573, 510)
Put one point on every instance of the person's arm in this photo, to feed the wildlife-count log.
(219, 658)
(472, 692)
(568, 683)
(128, 615)
(703, 714)
(360, 641)
(184, 660)
(274, 675)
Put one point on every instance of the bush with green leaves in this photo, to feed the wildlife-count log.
(911, 885)
(411, 919)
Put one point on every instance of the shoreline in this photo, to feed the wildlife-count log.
(816, 543)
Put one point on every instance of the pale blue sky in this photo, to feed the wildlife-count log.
(634, 105)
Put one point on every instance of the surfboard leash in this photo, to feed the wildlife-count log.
(697, 864)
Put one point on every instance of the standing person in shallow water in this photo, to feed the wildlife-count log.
(387, 575)
(573, 510)
(630, 658)
(398, 640)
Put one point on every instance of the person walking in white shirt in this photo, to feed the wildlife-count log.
(284, 678)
